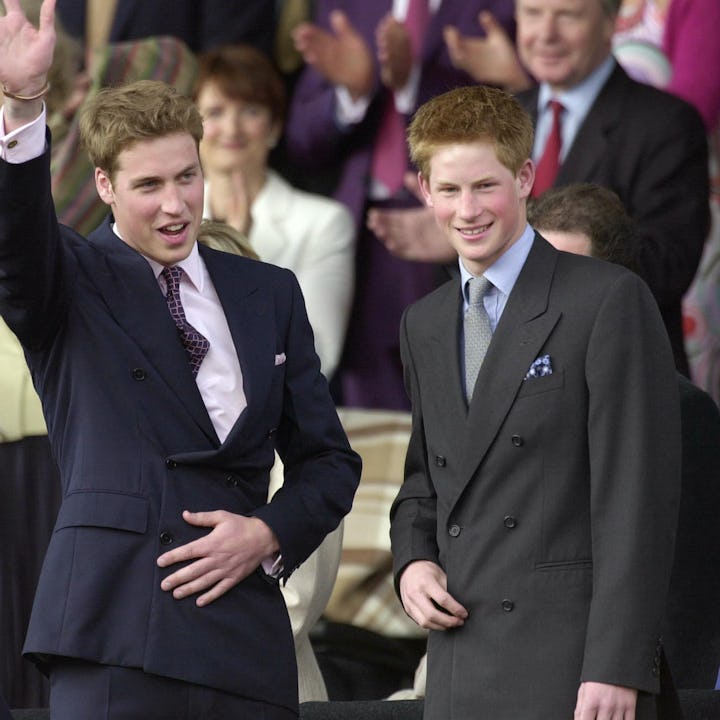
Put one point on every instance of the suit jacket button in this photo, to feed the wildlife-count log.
(517, 441)
(454, 530)
(440, 461)
(655, 671)
(509, 522)
(166, 538)
(139, 374)
(231, 481)
(507, 605)
(170, 464)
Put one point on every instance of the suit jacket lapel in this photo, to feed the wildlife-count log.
(128, 286)
(590, 146)
(519, 337)
(248, 310)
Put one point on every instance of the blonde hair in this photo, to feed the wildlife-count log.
(118, 117)
(221, 236)
(471, 114)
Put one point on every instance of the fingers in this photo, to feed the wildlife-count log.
(47, 15)
(340, 23)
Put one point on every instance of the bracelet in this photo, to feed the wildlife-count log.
(36, 96)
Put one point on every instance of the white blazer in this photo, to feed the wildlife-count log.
(313, 236)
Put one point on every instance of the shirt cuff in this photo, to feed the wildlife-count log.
(24, 144)
(349, 111)
(273, 565)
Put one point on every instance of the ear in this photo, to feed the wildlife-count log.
(526, 178)
(424, 184)
(103, 185)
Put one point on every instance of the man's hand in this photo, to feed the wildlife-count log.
(423, 590)
(342, 56)
(600, 701)
(411, 234)
(228, 554)
(490, 60)
(26, 54)
(395, 52)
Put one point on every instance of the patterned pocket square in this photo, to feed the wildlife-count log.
(539, 368)
(280, 359)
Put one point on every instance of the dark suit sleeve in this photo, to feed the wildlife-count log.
(33, 294)
(413, 514)
(668, 199)
(321, 471)
(634, 455)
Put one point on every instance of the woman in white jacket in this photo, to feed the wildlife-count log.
(242, 100)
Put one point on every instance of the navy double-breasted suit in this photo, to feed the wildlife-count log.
(136, 447)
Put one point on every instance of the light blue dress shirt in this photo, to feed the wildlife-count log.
(576, 103)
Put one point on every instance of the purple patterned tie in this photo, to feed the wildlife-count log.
(195, 344)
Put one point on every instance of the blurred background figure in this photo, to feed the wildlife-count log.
(591, 220)
(200, 24)
(368, 67)
(241, 97)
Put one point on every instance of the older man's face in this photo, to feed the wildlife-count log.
(562, 41)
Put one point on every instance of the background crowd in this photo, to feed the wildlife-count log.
(305, 106)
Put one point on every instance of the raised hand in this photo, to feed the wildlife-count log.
(395, 52)
(492, 59)
(341, 56)
(26, 52)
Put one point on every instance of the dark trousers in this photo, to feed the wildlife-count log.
(82, 690)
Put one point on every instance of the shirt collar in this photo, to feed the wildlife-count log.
(505, 270)
(579, 98)
(191, 265)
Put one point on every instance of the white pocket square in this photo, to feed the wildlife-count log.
(280, 359)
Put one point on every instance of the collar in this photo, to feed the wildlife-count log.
(579, 98)
(503, 273)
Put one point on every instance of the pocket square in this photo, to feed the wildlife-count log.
(539, 368)
(280, 359)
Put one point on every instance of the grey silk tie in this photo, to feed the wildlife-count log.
(477, 332)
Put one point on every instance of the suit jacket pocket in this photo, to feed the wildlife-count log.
(104, 509)
(533, 386)
(580, 564)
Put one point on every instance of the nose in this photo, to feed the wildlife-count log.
(469, 207)
(172, 201)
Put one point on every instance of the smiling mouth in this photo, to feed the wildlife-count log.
(473, 231)
(175, 229)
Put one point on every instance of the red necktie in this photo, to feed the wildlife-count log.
(389, 161)
(549, 164)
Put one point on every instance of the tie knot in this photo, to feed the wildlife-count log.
(477, 289)
(556, 107)
(172, 276)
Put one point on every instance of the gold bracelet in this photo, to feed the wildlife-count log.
(36, 96)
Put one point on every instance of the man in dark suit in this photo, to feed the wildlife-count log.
(159, 595)
(533, 534)
(646, 145)
(360, 58)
